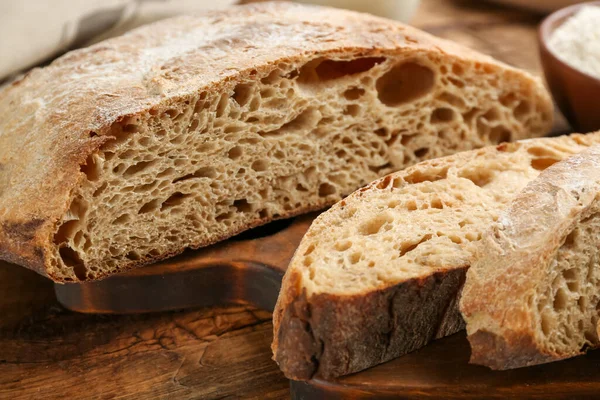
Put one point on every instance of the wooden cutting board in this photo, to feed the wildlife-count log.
(248, 270)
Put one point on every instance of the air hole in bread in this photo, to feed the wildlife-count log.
(242, 205)
(137, 168)
(323, 70)
(470, 115)
(442, 115)
(194, 125)
(522, 110)
(301, 188)
(150, 206)
(205, 172)
(273, 77)
(479, 177)
(303, 122)
(71, 259)
(452, 100)
(455, 239)
(307, 261)
(493, 114)
(123, 219)
(171, 114)
(326, 189)
(426, 175)
(458, 69)
(100, 190)
(260, 165)
(222, 105)
(243, 92)
(355, 257)
(456, 82)
(546, 324)
(309, 249)
(133, 255)
(582, 304)
(66, 231)
(570, 239)
(131, 128)
(235, 152)
(343, 245)
(560, 299)
(92, 168)
(437, 203)
(352, 109)
(383, 133)
(174, 200)
(408, 247)
(379, 168)
(354, 93)
(542, 163)
(422, 152)
(374, 226)
(573, 286)
(499, 134)
(405, 83)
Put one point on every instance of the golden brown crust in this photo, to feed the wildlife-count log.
(55, 117)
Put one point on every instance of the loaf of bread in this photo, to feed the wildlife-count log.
(531, 297)
(378, 275)
(188, 131)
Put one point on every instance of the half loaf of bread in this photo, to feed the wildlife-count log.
(188, 131)
(378, 275)
(532, 295)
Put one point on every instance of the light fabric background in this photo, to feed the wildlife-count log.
(35, 31)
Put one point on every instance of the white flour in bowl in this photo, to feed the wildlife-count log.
(577, 41)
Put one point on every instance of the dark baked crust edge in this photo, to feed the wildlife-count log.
(327, 335)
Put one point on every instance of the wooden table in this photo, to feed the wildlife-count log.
(48, 352)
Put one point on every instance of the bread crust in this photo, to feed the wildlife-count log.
(326, 333)
(498, 302)
(54, 118)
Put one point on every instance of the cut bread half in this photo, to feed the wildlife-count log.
(532, 295)
(191, 130)
(378, 275)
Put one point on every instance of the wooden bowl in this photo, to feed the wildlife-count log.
(576, 93)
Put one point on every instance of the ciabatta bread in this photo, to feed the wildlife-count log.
(378, 274)
(532, 295)
(188, 131)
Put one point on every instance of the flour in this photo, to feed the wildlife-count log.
(577, 41)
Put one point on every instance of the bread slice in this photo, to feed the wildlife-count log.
(188, 131)
(378, 275)
(532, 295)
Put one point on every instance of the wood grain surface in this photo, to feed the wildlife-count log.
(49, 352)
(441, 370)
